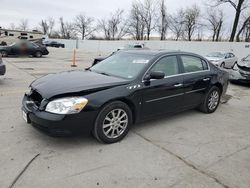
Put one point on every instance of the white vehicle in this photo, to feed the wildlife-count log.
(222, 59)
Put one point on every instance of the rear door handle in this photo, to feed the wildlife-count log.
(178, 85)
(206, 79)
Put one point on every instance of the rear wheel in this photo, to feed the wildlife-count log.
(4, 53)
(211, 100)
(38, 54)
(113, 122)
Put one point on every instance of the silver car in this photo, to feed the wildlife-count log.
(222, 59)
(241, 71)
(2, 67)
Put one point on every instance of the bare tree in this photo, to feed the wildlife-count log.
(66, 29)
(215, 21)
(115, 27)
(163, 26)
(239, 6)
(148, 14)
(47, 26)
(44, 26)
(191, 17)
(12, 26)
(245, 26)
(23, 24)
(83, 25)
(136, 24)
(176, 23)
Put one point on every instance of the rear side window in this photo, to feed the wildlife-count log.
(193, 64)
(168, 65)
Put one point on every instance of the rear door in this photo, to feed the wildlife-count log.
(196, 80)
(164, 95)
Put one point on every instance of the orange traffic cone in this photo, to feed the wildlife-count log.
(74, 59)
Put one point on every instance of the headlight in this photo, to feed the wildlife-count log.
(70, 105)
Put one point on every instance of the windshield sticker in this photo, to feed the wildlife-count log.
(141, 61)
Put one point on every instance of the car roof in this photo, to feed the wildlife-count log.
(158, 52)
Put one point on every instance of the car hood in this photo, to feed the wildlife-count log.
(72, 82)
(213, 58)
(244, 63)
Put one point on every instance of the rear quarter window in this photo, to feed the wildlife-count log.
(193, 64)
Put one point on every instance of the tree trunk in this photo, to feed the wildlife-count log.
(236, 20)
(218, 31)
(241, 29)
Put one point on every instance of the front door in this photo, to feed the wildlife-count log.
(164, 95)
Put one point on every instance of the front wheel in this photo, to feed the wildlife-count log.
(4, 53)
(211, 100)
(113, 122)
(38, 54)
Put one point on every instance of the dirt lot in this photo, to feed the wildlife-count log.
(190, 149)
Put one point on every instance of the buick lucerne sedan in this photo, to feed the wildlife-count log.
(126, 88)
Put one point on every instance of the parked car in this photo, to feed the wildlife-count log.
(241, 71)
(128, 47)
(222, 59)
(2, 67)
(54, 44)
(24, 48)
(126, 88)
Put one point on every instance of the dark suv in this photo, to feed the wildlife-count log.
(54, 44)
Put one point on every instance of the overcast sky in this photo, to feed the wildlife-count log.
(35, 10)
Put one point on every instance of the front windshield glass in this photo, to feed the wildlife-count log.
(216, 54)
(125, 65)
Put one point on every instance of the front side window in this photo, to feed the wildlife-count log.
(168, 65)
(192, 64)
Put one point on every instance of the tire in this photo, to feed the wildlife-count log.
(38, 54)
(223, 65)
(4, 53)
(108, 127)
(206, 105)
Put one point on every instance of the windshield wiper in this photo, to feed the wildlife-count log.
(104, 73)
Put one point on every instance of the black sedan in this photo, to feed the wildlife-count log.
(241, 71)
(126, 88)
(2, 67)
(24, 48)
(54, 44)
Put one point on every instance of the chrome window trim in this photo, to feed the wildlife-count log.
(180, 74)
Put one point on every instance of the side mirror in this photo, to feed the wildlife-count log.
(155, 75)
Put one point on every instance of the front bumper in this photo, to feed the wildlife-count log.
(59, 125)
(237, 76)
(2, 69)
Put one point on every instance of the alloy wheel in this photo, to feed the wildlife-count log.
(213, 100)
(115, 123)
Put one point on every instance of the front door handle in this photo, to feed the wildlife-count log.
(206, 79)
(178, 85)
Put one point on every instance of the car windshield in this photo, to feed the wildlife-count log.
(216, 54)
(123, 64)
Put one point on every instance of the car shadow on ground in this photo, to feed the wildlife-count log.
(241, 84)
